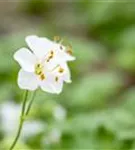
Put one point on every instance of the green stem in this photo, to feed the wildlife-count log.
(30, 104)
(21, 121)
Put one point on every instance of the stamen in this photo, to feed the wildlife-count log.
(38, 65)
(56, 79)
(61, 70)
(42, 76)
(69, 50)
(56, 38)
(61, 47)
(39, 72)
(48, 60)
(38, 69)
(51, 55)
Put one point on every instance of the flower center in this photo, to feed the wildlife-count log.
(39, 71)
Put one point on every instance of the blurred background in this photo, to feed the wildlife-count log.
(96, 111)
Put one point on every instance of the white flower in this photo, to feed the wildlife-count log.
(54, 136)
(44, 65)
(33, 128)
(59, 113)
(9, 113)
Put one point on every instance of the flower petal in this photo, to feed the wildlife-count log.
(27, 80)
(40, 46)
(63, 56)
(26, 59)
(67, 73)
(58, 85)
(47, 87)
(50, 85)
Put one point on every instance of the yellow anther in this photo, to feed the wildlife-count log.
(38, 72)
(56, 38)
(70, 52)
(42, 76)
(48, 60)
(61, 70)
(51, 55)
(56, 79)
(61, 47)
(38, 69)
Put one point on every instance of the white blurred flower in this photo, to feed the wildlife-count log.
(54, 136)
(33, 128)
(59, 113)
(44, 65)
(10, 115)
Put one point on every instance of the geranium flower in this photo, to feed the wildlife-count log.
(44, 65)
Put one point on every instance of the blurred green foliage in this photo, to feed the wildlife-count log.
(100, 103)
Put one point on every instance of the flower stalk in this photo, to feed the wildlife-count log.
(30, 104)
(24, 114)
